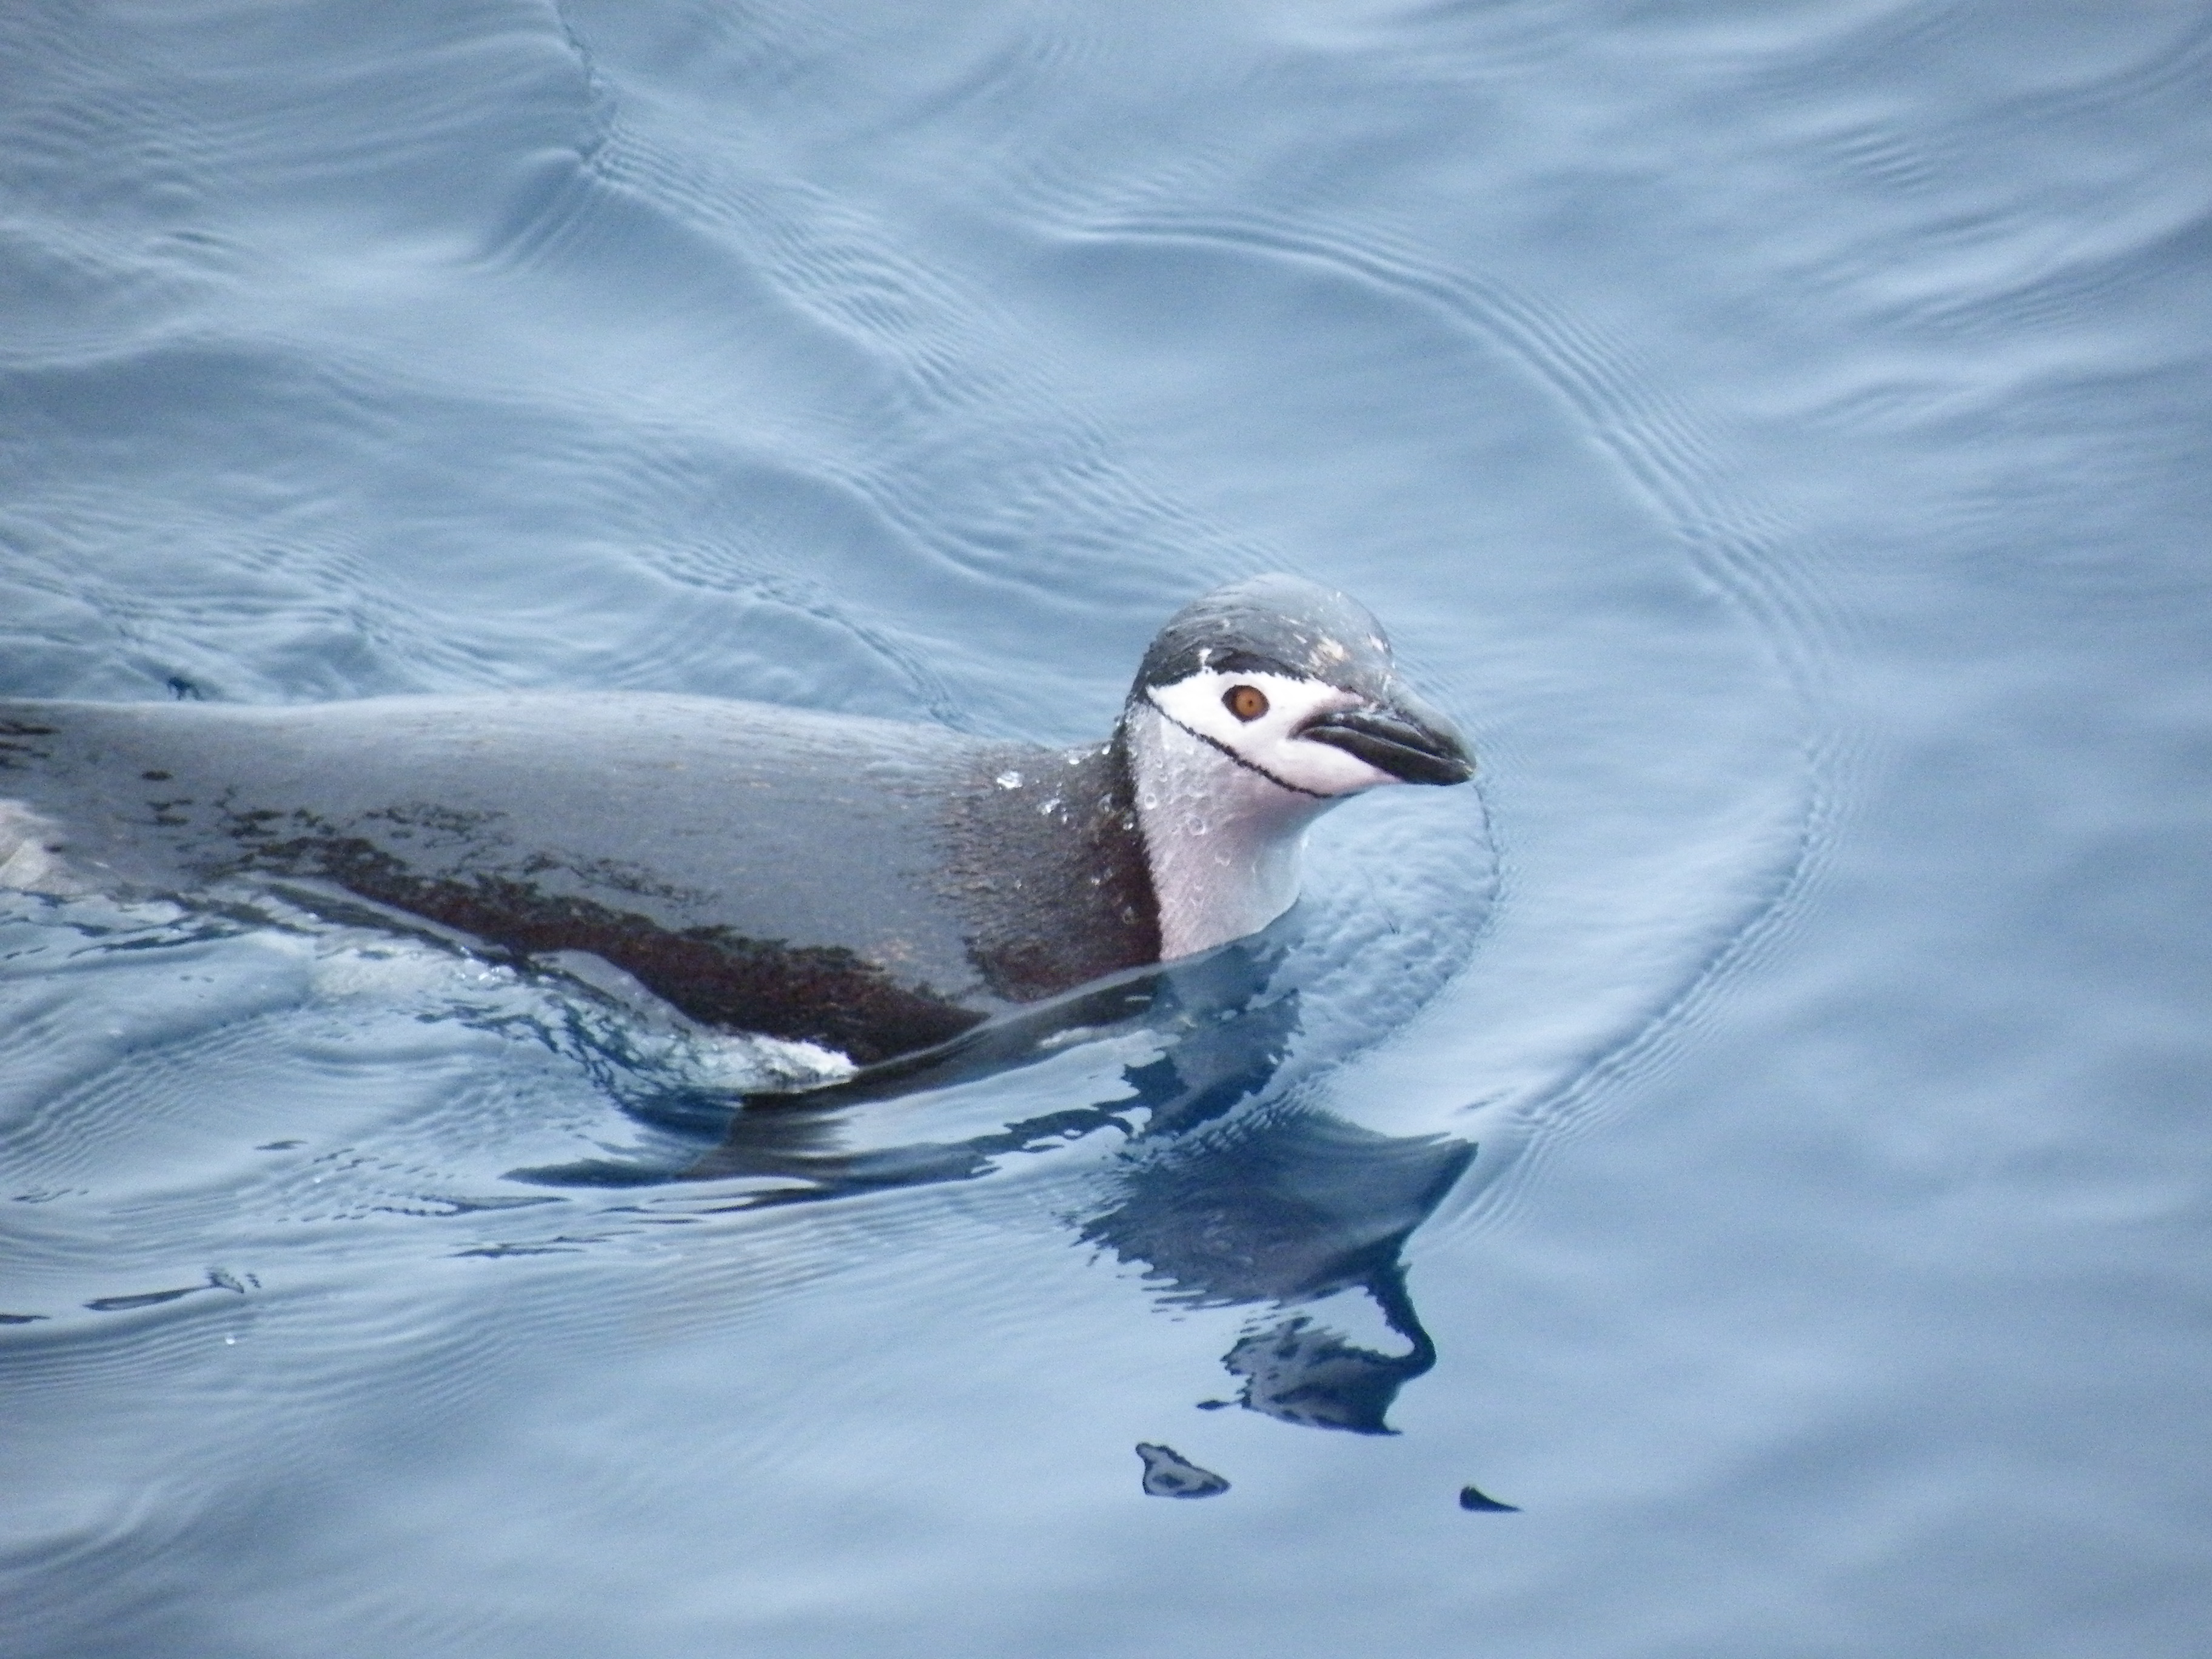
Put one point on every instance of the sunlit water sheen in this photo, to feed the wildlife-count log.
(1756, 1131)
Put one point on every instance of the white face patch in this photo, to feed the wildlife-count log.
(1224, 830)
(1270, 742)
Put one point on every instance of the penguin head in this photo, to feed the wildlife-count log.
(1294, 681)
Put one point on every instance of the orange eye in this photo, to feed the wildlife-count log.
(1247, 703)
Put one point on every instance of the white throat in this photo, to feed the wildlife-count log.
(1223, 841)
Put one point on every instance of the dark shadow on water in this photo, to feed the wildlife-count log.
(1280, 1206)
(1291, 1211)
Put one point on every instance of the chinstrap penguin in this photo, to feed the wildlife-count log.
(874, 887)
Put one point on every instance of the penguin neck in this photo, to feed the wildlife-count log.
(1223, 843)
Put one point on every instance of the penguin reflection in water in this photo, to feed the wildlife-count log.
(1299, 1211)
(871, 888)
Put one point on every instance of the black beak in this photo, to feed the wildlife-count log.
(1405, 738)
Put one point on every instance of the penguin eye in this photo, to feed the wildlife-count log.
(1247, 703)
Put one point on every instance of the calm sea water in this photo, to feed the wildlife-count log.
(1758, 1131)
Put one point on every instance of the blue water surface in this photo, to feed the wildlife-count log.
(1757, 1131)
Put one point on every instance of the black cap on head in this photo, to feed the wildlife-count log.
(1273, 625)
(1288, 625)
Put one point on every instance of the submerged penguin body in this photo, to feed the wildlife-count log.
(873, 886)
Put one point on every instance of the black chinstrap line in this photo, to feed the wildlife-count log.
(1249, 765)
